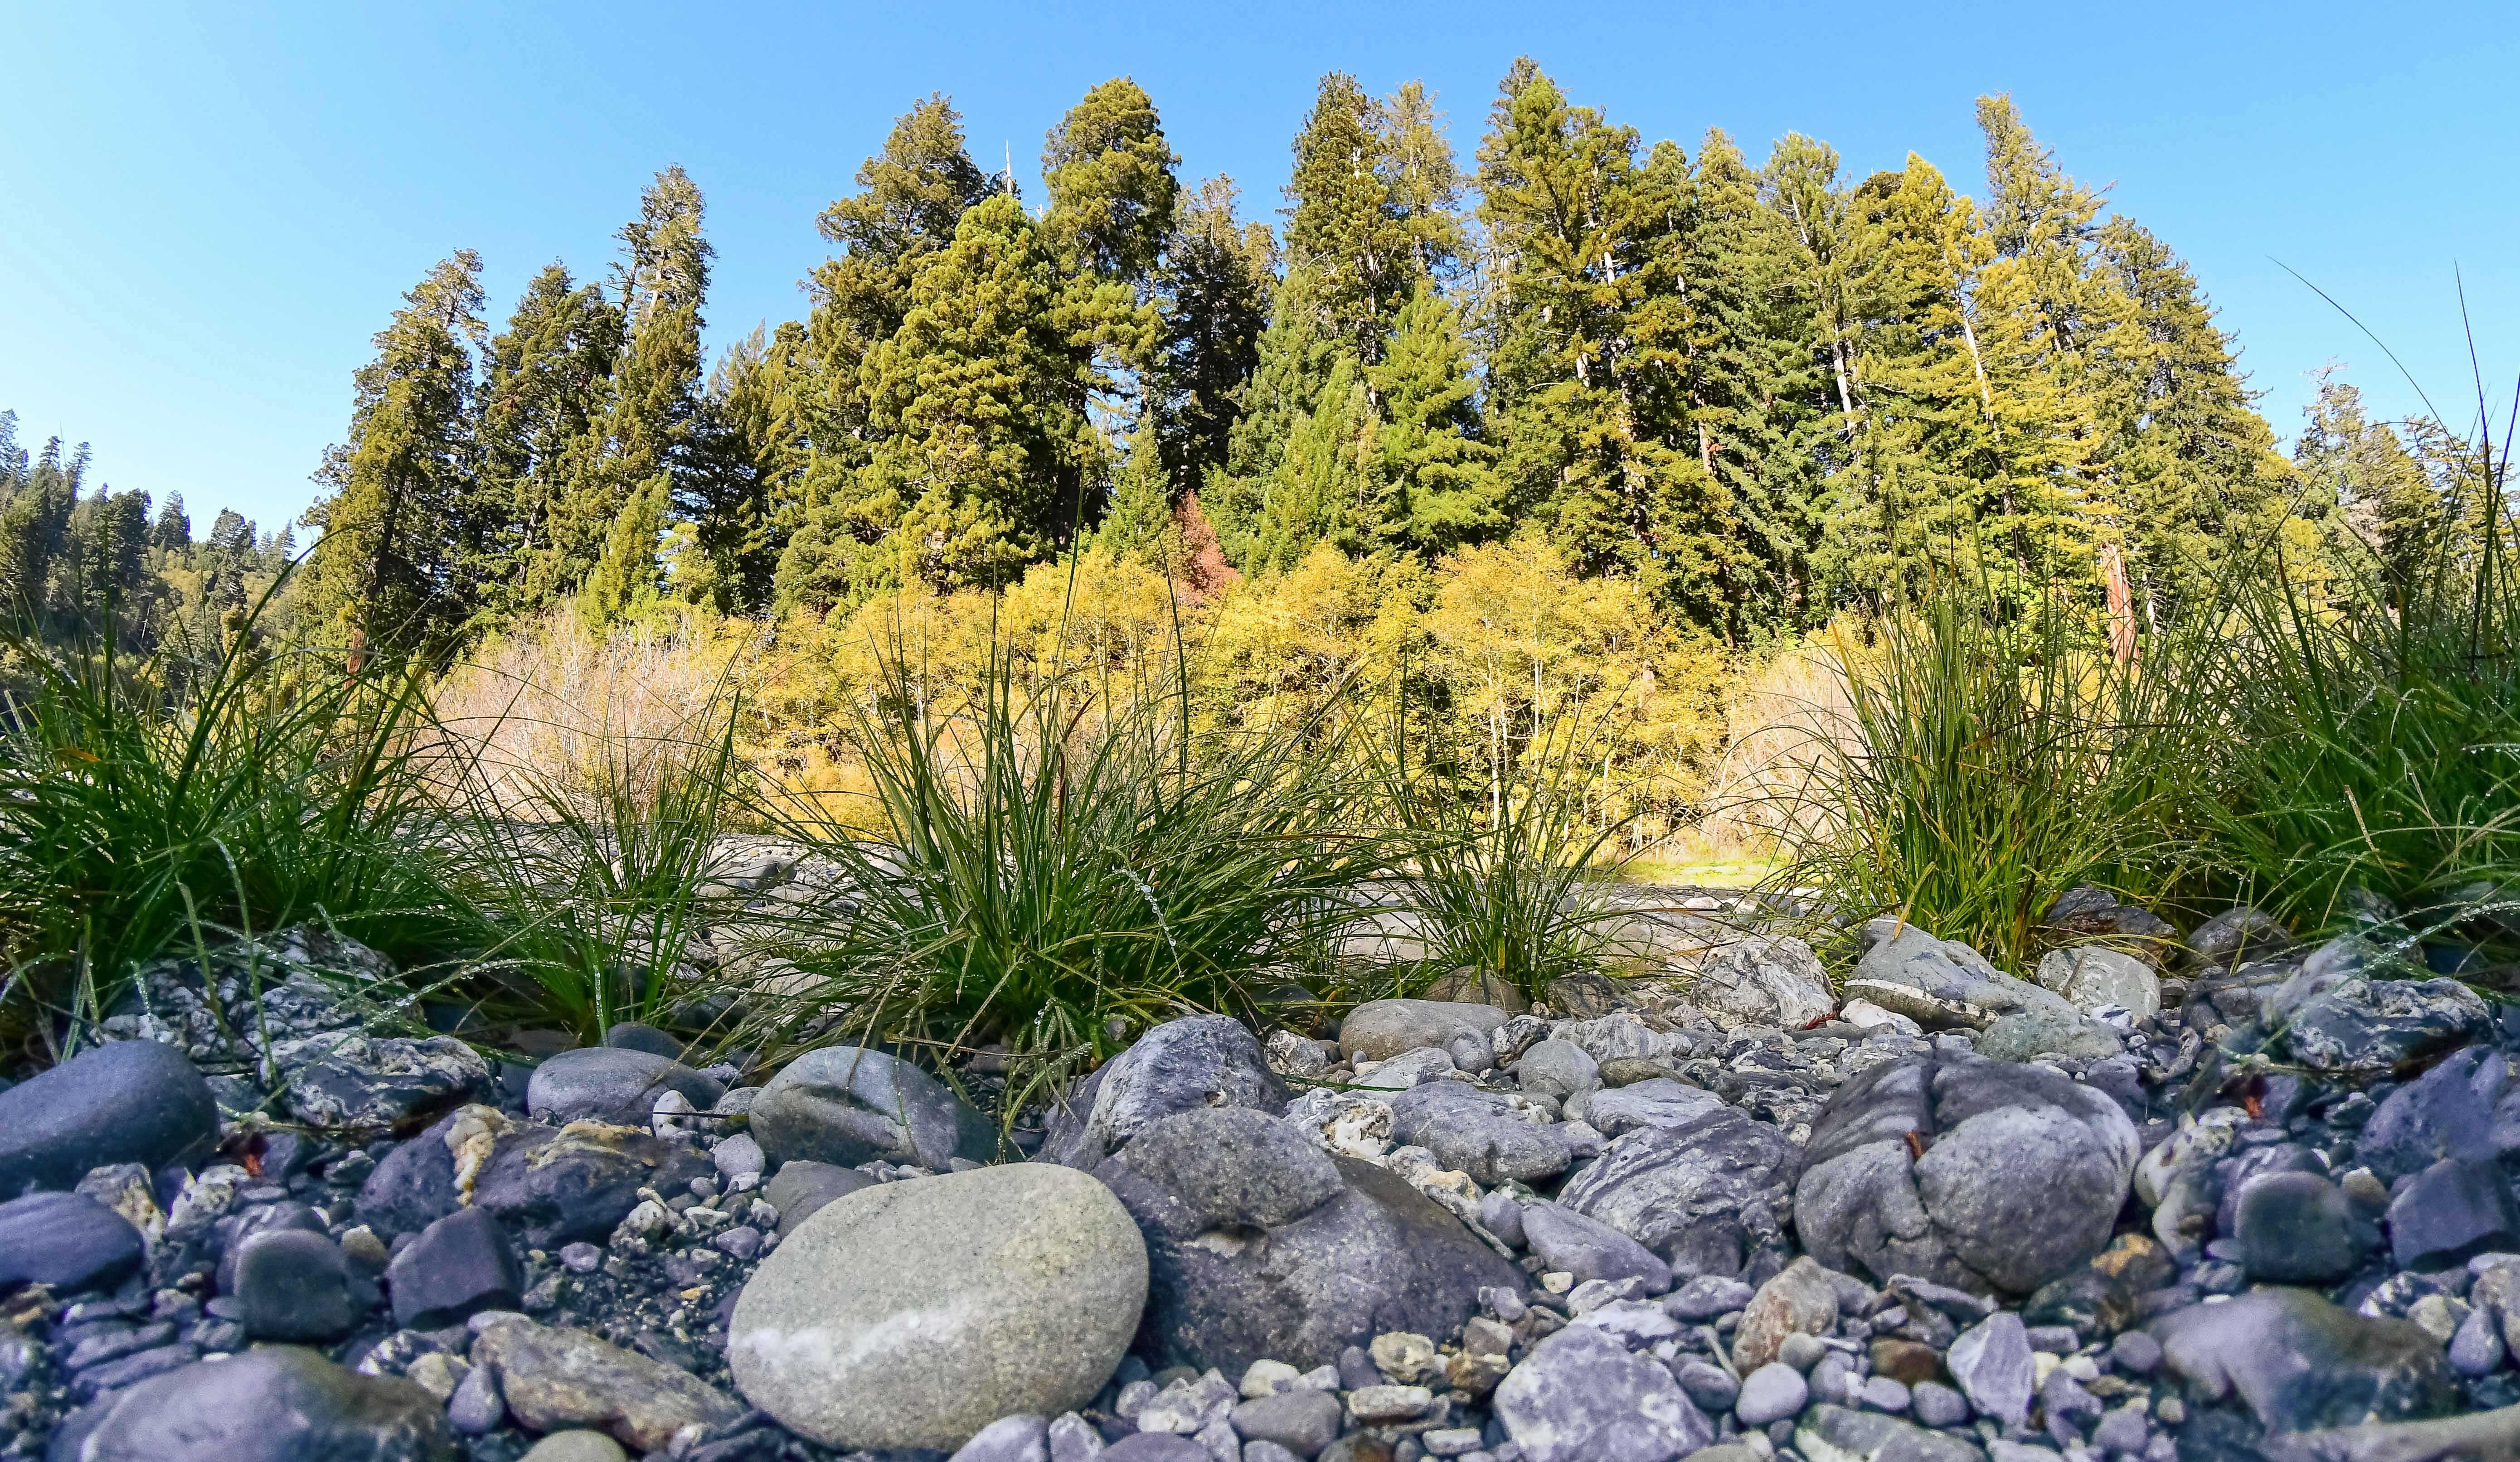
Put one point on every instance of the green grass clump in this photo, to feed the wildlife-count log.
(152, 806)
(1990, 759)
(2374, 735)
(1057, 865)
(1505, 879)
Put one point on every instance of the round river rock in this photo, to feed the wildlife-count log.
(912, 1314)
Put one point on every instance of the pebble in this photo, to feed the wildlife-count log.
(1882, 1394)
(1772, 1394)
(1303, 1422)
(1802, 1351)
(1935, 1405)
(1378, 1405)
(476, 1407)
(1266, 1377)
(575, 1446)
(2135, 1353)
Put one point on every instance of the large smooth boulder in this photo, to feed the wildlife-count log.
(1263, 1247)
(1478, 1132)
(1968, 1171)
(67, 1240)
(133, 1101)
(1940, 982)
(612, 1084)
(272, 1404)
(846, 1105)
(2298, 1362)
(1763, 980)
(914, 1313)
(1581, 1396)
(1379, 1029)
(1700, 1194)
(1179, 1066)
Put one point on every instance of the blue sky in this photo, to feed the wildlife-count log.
(205, 211)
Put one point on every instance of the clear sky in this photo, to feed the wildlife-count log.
(206, 209)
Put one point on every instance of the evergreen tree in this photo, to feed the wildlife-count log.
(2190, 462)
(1296, 356)
(1327, 485)
(396, 489)
(662, 282)
(2370, 494)
(545, 398)
(1346, 230)
(1140, 513)
(172, 532)
(749, 447)
(1443, 490)
(1111, 185)
(1215, 284)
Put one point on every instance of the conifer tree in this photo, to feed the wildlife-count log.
(1215, 285)
(2369, 494)
(1346, 231)
(1327, 485)
(1442, 490)
(750, 445)
(396, 489)
(545, 397)
(662, 282)
(1135, 523)
(1294, 361)
(1112, 187)
(172, 532)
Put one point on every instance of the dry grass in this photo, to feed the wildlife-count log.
(553, 707)
(1778, 721)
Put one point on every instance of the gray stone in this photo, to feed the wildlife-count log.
(1590, 1250)
(737, 1156)
(552, 1377)
(549, 1187)
(1658, 1101)
(370, 1083)
(1581, 1396)
(455, 1268)
(846, 1105)
(2096, 977)
(2298, 1362)
(1156, 1447)
(575, 1446)
(132, 1101)
(2027, 1034)
(1884, 1393)
(1835, 1433)
(1558, 1069)
(1708, 1296)
(1700, 1195)
(633, 1036)
(1073, 1438)
(2297, 1229)
(1802, 1351)
(1935, 1405)
(1263, 1247)
(1188, 1406)
(1772, 1394)
(2450, 1211)
(2477, 1349)
(612, 1084)
(2336, 1021)
(272, 1404)
(2235, 935)
(801, 1188)
(68, 1241)
(1991, 1362)
(1379, 1029)
(1197, 1061)
(477, 1408)
(1408, 1070)
(1303, 1422)
(294, 1286)
(2021, 1174)
(1621, 1036)
(1009, 1439)
(2448, 1112)
(914, 1313)
(1709, 1387)
(1476, 1132)
(1500, 1215)
(1763, 980)
(2135, 1353)
(1941, 983)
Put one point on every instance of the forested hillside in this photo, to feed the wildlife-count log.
(1755, 392)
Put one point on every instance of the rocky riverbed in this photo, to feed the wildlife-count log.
(2179, 1195)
